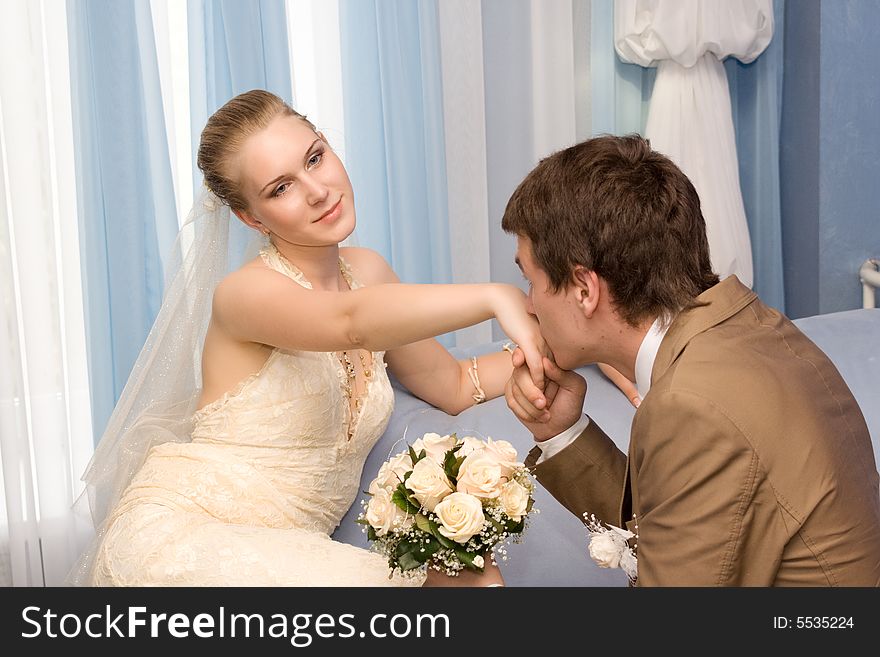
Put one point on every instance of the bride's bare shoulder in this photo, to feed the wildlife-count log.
(253, 280)
(253, 269)
(369, 266)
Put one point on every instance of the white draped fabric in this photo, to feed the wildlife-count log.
(45, 423)
(690, 116)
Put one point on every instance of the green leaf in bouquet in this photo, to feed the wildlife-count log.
(412, 454)
(499, 527)
(430, 527)
(530, 504)
(443, 540)
(423, 523)
(451, 465)
(467, 559)
(448, 462)
(412, 499)
(371, 533)
(430, 548)
(409, 554)
(403, 547)
(408, 561)
(514, 527)
(401, 498)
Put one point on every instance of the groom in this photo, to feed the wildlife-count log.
(749, 461)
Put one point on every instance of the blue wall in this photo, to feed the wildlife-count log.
(849, 149)
(830, 153)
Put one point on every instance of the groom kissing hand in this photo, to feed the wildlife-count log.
(749, 460)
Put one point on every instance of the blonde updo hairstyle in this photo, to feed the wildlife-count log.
(226, 132)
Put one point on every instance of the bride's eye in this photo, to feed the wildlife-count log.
(315, 159)
(280, 189)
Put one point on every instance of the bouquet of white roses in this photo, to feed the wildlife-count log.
(447, 502)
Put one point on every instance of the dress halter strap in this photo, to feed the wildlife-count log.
(276, 260)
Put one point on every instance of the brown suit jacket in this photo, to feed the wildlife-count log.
(750, 463)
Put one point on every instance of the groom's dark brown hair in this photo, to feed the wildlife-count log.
(616, 207)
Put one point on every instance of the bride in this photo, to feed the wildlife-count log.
(236, 472)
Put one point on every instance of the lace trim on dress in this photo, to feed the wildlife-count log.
(348, 275)
(235, 391)
(274, 260)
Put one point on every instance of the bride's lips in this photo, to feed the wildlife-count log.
(332, 214)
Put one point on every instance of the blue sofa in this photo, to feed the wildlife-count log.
(554, 549)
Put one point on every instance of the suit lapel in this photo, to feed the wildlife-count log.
(716, 304)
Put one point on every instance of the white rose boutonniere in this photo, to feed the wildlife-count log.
(609, 547)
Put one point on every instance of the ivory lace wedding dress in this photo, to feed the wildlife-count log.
(272, 468)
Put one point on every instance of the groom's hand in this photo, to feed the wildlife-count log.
(527, 400)
(565, 393)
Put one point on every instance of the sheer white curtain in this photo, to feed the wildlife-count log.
(45, 422)
(556, 63)
(172, 52)
(316, 67)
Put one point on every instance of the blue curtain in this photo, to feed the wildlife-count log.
(620, 93)
(620, 96)
(756, 99)
(234, 46)
(125, 192)
(395, 150)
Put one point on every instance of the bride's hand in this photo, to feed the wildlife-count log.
(522, 328)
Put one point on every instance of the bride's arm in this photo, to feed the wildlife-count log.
(431, 373)
(426, 368)
(263, 306)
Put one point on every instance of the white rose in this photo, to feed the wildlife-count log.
(480, 475)
(505, 454)
(376, 486)
(384, 515)
(479, 562)
(514, 499)
(606, 549)
(470, 445)
(429, 483)
(392, 472)
(435, 446)
(461, 516)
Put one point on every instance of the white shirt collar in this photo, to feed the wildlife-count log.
(647, 355)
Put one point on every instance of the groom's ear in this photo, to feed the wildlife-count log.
(585, 289)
